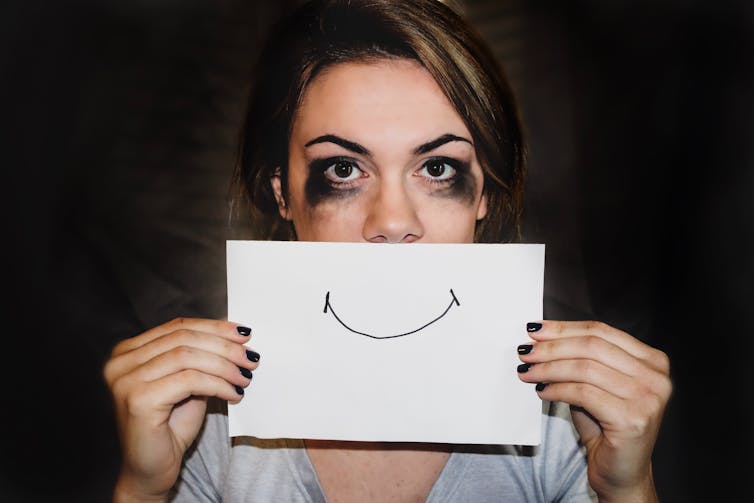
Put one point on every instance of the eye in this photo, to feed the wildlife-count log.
(343, 171)
(437, 170)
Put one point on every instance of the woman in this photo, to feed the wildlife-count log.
(383, 121)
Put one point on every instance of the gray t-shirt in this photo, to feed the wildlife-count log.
(245, 469)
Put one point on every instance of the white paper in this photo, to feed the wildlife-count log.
(380, 342)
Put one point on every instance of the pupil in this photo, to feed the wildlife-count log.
(436, 170)
(343, 170)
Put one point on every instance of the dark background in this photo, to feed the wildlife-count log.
(118, 134)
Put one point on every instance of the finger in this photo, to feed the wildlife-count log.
(551, 329)
(185, 358)
(194, 383)
(222, 328)
(160, 396)
(606, 408)
(626, 419)
(582, 371)
(232, 351)
(588, 348)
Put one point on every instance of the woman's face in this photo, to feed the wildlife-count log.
(378, 153)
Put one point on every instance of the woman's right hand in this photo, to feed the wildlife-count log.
(160, 381)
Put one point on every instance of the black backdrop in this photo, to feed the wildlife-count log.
(118, 130)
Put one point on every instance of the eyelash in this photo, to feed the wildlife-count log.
(322, 166)
(459, 168)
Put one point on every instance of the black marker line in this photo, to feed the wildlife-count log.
(454, 300)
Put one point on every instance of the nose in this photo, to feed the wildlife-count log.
(392, 217)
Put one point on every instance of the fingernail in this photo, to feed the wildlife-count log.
(252, 355)
(239, 389)
(245, 331)
(524, 367)
(533, 326)
(540, 386)
(245, 372)
(525, 349)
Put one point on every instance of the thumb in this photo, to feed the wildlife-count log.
(586, 425)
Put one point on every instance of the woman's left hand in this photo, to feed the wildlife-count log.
(617, 387)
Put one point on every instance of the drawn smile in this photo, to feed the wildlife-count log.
(328, 306)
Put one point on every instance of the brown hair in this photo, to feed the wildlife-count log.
(322, 33)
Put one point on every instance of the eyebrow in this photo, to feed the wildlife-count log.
(442, 140)
(359, 149)
(348, 145)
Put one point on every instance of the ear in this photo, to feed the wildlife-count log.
(277, 189)
(481, 210)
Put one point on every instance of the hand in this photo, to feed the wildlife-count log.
(160, 381)
(617, 387)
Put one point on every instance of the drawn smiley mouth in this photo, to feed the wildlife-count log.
(328, 307)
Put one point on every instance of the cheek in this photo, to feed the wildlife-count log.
(448, 224)
(338, 219)
(318, 191)
(318, 214)
(464, 190)
(451, 214)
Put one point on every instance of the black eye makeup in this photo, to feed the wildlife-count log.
(332, 177)
(449, 177)
(338, 177)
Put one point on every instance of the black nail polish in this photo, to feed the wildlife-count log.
(540, 386)
(524, 367)
(239, 389)
(245, 331)
(533, 326)
(245, 372)
(525, 349)
(252, 355)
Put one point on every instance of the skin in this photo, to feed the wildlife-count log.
(160, 381)
(363, 166)
(618, 388)
(391, 108)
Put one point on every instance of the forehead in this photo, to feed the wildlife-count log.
(374, 99)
